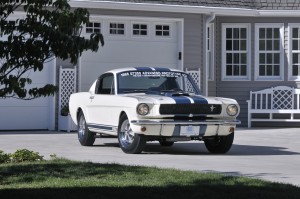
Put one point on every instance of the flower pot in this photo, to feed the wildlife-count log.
(65, 123)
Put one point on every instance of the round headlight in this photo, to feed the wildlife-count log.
(142, 109)
(232, 109)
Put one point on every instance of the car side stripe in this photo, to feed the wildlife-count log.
(98, 126)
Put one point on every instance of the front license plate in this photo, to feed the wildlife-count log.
(189, 130)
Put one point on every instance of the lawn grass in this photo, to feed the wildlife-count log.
(70, 179)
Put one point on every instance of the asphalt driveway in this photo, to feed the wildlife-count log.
(270, 154)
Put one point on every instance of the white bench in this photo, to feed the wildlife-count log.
(277, 100)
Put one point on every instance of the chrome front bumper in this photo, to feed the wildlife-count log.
(180, 128)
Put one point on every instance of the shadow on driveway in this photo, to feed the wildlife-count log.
(199, 149)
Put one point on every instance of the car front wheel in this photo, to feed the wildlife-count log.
(129, 141)
(219, 145)
(85, 137)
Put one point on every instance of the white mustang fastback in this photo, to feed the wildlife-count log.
(152, 104)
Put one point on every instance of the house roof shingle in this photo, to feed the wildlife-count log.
(248, 4)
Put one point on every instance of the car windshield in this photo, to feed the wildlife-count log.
(155, 82)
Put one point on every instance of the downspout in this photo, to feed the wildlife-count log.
(210, 18)
(205, 63)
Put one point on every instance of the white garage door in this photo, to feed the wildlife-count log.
(30, 114)
(132, 42)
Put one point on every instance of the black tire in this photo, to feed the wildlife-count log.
(165, 143)
(129, 141)
(219, 145)
(85, 137)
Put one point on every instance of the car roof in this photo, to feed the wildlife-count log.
(159, 69)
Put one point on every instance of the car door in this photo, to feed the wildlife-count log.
(101, 103)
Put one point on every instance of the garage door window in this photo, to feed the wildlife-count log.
(93, 27)
(117, 28)
(140, 29)
(162, 30)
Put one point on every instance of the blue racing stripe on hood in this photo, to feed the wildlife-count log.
(179, 99)
(182, 99)
(199, 100)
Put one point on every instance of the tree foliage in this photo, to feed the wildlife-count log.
(48, 29)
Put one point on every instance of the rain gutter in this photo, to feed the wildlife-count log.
(162, 8)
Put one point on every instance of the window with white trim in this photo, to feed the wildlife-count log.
(139, 29)
(162, 30)
(269, 51)
(235, 51)
(210, 52)
(93, 27)
(294, 51)
(117, 28)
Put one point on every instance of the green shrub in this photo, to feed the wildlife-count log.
(24, 155)
(4, 157)
(53, 156)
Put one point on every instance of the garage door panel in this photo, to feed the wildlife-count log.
(16, 114)
(25, 118)
(39, 77)
(134, 52)
(11, 102)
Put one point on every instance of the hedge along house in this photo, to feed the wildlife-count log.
(236, 45)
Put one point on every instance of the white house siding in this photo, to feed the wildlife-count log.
(239, 90)
(194, 44)
(34, 114)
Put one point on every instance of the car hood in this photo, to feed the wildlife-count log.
(179, 98)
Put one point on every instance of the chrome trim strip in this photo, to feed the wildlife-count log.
(186, 122)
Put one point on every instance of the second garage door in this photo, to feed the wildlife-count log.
(37, 114)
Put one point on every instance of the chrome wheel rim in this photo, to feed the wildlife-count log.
(81, 126)
(126, 134)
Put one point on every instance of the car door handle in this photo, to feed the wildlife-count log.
(92, 97)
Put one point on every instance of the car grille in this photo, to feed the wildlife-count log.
(195, 109)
